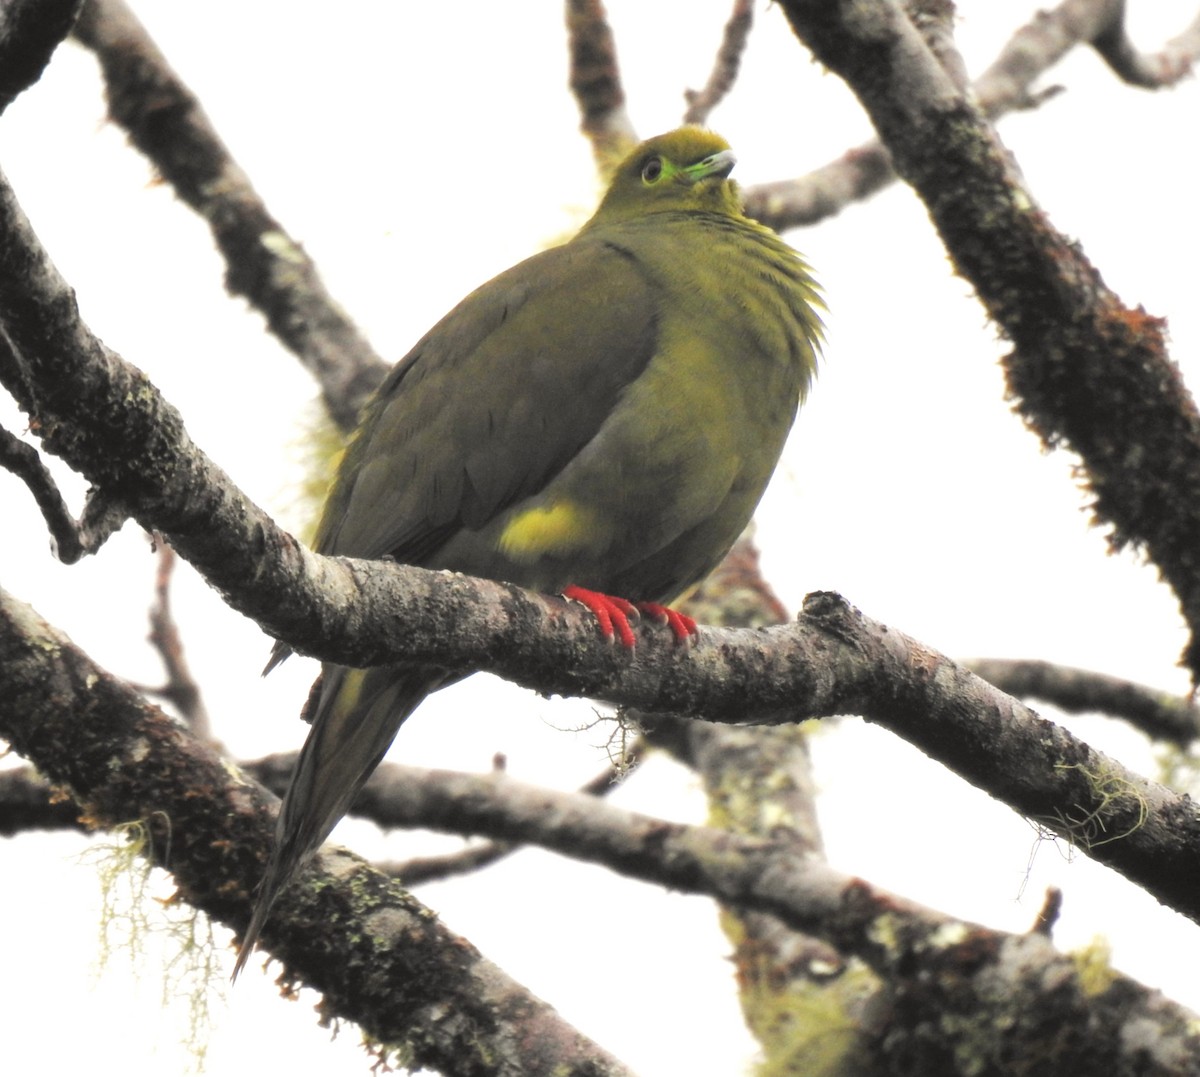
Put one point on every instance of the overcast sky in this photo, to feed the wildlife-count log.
(415, 154)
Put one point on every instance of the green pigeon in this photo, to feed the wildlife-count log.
(598, 421)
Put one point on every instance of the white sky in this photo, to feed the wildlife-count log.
(414, 159)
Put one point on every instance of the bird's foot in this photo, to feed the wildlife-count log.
(681, 624)
(613, 615)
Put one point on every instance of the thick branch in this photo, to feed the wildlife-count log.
(383, 960)
(108, 421)
(1087, 372)
(932, 964)
(760, 783)
(263, 263)
(359, 934)
(30, 31)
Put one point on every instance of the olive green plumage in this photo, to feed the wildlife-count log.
(604, 415)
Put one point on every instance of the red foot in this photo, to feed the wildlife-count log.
(613, 615)
(611, 612)
(681, 624)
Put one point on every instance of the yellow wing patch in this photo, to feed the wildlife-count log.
(554, 529)
(348, 694)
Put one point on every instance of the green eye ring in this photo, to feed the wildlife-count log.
(652, 170)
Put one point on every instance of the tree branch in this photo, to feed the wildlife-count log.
(71, 539)
(759, 783)
(725, 70)
(24, 461)
(263, 263)
(382, 958)
(107, 420)
(356, 937)
(1086, 371)
(374, 803)
(1151, 71)
(1158, 714)
(30, 31)
(180, 689)
(596, 83)
(1005, 86)
(29, 802)
(931, 963)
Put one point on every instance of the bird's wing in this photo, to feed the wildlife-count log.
(493, 402)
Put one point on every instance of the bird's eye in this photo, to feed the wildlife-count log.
(652, 170)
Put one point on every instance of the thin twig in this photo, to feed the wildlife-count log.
(433, 869)
(1005, 86)
(1049, 913)
(700, 103)
(1158, 714)
(28, 801)
(1150, 70)
(372, 804)
(102, 517)
(180, 688)
(24, 461)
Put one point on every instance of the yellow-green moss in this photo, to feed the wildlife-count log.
(1116, 797)
(1093, 966)
(810, 1029)
(193, 970)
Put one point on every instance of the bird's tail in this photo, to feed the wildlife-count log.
(355, 717)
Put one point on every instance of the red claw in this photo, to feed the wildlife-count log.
(613, 615)
(681, 624)
(611, 612)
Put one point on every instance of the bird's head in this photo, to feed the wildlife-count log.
(685, 169)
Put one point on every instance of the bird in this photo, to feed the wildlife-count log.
(598, 421)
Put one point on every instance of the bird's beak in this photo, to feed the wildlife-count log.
(717, 164)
